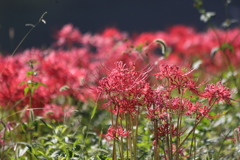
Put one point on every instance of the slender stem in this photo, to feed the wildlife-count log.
(31, 86)
(163, 148)
(222, 144)
(131, 138)
(156, 154)
(195, 146)
(114, 156)
(179, 120)
(136, 134)
(168, 146)
(127, 127)
(171, 136)
(33, 26)
(114, 150)
(121, 144)
(190, 154)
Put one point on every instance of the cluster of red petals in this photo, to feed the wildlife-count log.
(125, 88)
(186, 44)
(115, 133)
(167, 129)
(217, 92)
(55, 69)
(176, 78)
(166, 101)
(68, 35)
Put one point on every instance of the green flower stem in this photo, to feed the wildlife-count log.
(130, 138)
(136, 135)
(121, 144)
(171, 138)
(193, 136)
(33, 26)
(193, 129)
(156, 149)
(127, 127)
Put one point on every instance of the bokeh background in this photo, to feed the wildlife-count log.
(94, 15)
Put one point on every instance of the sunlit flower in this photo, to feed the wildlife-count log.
(115, 133)
(217, 92)
(125, 88)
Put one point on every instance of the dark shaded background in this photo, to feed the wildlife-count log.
(94, 15)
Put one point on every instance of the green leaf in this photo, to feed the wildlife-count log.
(84, 130)
(29, 73)
(32, 90)
(64, 129)
(22, 83)
(225, 46)
(78, 141)
(63, 88)
(41, 153)
(42, 84)
(35, 124)
(26, 90)
(213, 52)
(94, 110)
(48, 125)
(61, 129)
(24, 127)
(162, 44)
(32, 117)
(95, 151)
(139, 48)
(22, 151)
(56, 153)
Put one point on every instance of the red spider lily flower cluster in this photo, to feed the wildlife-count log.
(217, 92)
(176, 78)
(77, 59)
(126, 89)
(68, 35)
(115, 133)
(166, 129)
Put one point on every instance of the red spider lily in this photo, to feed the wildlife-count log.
(125, 88)
(167, 129)
(217, 92)
(176, 78)
(114, 33)
(115, 133)
(68, 35)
